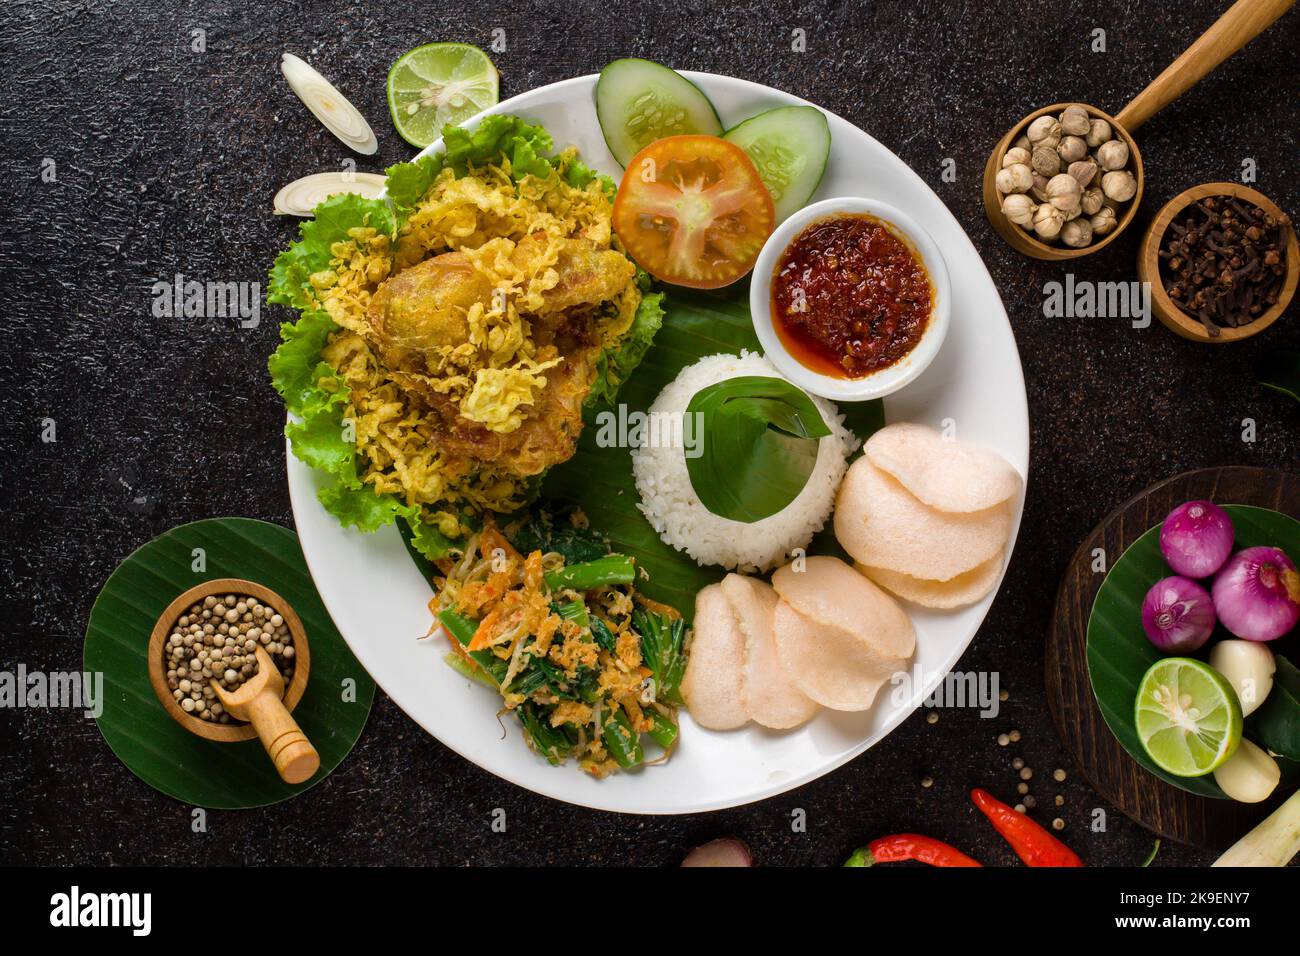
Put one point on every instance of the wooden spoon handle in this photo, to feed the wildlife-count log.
(288, 747)
(1244, 20)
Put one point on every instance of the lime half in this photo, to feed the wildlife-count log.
(1188, 716)
(437, 84)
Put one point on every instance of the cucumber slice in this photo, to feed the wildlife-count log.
(789, 147)
(638, 102)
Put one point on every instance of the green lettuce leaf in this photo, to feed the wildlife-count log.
(361, 507)
(320, 440)
(311, 253)
(426, 538)
(294, 365)
(316, 397)
(613, 366)
(313, 393)
(527, 147)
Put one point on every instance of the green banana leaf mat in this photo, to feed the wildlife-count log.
(224, 776)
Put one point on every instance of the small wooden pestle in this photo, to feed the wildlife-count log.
(260, 702)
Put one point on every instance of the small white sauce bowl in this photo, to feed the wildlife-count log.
(883, 381)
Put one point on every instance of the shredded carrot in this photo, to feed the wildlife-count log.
(656, 608)
(491, 539)
(483, 636)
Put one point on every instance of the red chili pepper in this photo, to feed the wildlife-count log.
(1034, 845)
(909, 846)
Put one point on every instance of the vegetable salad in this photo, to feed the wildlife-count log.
(554, 624)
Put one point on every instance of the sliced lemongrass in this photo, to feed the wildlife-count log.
(329, 105)
(302, 196)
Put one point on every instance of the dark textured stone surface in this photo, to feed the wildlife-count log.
(167, 161)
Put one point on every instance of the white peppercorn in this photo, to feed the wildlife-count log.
(1064, 192)
(199, 653)
(1084, 171)
(1098, 133)
(1044, 129)
(1039, 189)
(1048, 221)
(1092, 199)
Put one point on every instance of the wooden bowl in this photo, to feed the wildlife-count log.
(1188, 326)
(1027, 242)
(225, 733)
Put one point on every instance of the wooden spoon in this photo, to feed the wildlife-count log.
(259, 701)
(1243, 21)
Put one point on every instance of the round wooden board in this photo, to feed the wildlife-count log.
(1166, 810)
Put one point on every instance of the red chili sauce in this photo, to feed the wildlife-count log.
(849, 297)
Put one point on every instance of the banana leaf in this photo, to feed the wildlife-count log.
(1119, 653)
(196, 771)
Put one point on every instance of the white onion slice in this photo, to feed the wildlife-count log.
(302, 196)
(329, 105)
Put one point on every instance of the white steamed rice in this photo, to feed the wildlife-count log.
(669, 501)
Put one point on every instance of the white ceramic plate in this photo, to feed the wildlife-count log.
(378, 598)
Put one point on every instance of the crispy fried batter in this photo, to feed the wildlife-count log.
(422, 310)
(420, 321)
(470, 340)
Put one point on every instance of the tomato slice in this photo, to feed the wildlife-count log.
(692, 210)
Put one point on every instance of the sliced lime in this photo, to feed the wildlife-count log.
(1187, 715)
(437, 84)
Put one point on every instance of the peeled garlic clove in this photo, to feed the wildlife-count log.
(1019, 208)
(1071, 149)
(1119, 185)
(1113, 154)
(1046, 161)
(1015, 155)
(1103, 221)
(1248, 667)
(1098, 133)
(329, 105)
(1076, 233)
(1249, 775)
(1074, 120)
(302, 196)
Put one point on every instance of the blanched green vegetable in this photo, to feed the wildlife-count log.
(622, 742)
(664, 732)
(603, 572)
(662, 651)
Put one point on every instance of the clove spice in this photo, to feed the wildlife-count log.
(1224, 261)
